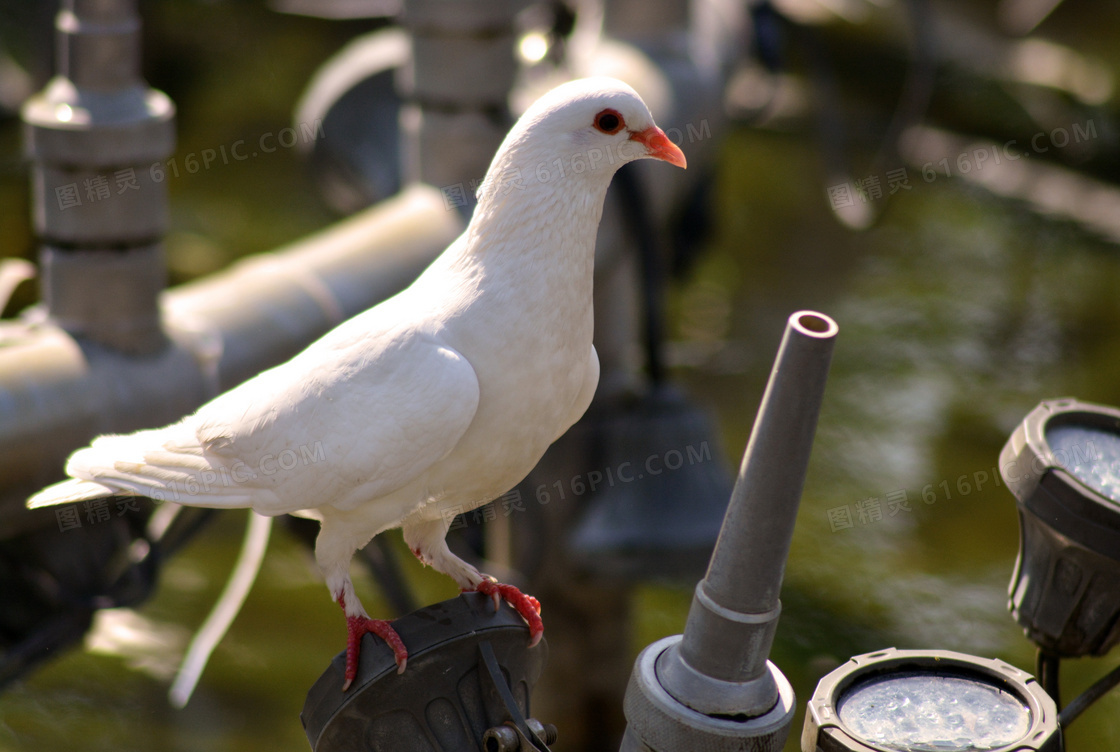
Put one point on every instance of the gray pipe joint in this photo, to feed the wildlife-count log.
(96, 136)
(455, 86)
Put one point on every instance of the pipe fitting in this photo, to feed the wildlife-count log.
(93, 136)
(456, 85)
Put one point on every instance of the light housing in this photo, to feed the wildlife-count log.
(929, 701)
(1063, 466)
(468, 684)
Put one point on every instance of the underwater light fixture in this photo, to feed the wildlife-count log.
(929, 701)
(1063, 466)
(1062, 463)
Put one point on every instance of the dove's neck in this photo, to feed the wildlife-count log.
(535, 226)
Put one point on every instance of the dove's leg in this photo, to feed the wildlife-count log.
(427, 540)
(333, 551)
(357, 625)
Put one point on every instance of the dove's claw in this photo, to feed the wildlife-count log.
(356, 628)
(526, 605)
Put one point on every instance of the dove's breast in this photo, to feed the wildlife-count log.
(529, 340)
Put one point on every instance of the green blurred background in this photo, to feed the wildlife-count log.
(959, 309)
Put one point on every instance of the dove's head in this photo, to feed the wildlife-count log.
(586, 129)
(599, 112)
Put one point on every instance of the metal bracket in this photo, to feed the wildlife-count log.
(528, 738)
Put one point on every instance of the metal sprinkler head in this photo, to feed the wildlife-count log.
(713, 687)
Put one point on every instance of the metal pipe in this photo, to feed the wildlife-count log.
(455, 86)
(268, 307)
(714, 687)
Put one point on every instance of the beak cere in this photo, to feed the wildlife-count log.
(659, 146)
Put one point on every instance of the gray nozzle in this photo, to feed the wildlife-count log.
(718, 671)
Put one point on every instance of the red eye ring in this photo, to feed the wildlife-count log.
(609, 121)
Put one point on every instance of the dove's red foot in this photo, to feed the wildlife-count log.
(356, 628)
(526, 605)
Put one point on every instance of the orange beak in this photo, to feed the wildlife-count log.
(659, 146)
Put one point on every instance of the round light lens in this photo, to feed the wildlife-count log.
(928, 712)
(1089, 454)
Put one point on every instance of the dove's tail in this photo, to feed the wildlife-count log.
(168, 464)
(164, 464)
(68, 492)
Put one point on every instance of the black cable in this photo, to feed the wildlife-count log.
(1046, 668)
(377, 556)
(1080, 703)
(636, 215)
(380, 559)
(767, 44)
(913, 101)
(187, 523)
(917, 88)
(50, 637)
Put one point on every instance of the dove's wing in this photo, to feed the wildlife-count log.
(363, 427)
(356, 416)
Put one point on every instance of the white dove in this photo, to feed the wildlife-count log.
(436, 401)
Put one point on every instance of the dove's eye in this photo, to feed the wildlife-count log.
(609, 121)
